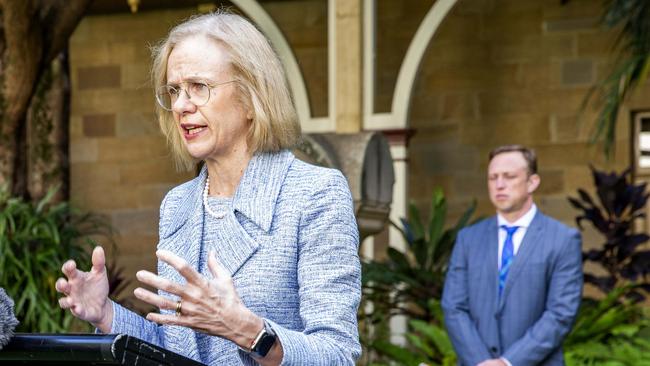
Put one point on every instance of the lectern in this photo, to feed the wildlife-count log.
(87, 349)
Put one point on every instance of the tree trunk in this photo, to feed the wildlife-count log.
(32, 34)
(47, 133)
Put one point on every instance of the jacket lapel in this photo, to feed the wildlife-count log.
(182, 236)
(260, 186)
(528, 244)
(254, 198)
(237, 247)
(492, 234)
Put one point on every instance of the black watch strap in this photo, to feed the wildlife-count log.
(264, 341)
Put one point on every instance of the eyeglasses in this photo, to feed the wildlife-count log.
(198, 93)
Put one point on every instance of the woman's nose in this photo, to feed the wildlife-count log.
(183, 103)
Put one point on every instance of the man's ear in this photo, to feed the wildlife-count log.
(533, 182)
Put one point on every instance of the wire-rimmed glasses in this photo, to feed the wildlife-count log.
(197, 92)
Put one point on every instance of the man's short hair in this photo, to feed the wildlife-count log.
(529, 155)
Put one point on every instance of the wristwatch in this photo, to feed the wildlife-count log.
(263, 342)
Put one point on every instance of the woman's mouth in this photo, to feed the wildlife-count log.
(194, 130)
(191, 131)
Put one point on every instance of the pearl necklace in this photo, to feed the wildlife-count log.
(205, 201)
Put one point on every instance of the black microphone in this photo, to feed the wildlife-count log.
(8, 320)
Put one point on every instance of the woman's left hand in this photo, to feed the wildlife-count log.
(210, 306)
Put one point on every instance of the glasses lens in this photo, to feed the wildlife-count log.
(199, 93)
(166, 95)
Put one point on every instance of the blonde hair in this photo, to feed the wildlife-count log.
(261, 82)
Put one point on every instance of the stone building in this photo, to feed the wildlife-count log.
(457, 77)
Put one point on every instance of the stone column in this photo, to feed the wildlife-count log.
(345, 64)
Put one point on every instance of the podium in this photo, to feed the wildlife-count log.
(87, 349)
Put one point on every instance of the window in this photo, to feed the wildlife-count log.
(641, 142)
(641, 159)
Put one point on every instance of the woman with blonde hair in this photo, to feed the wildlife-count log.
(257, 258)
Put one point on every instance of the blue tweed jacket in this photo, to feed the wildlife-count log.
(290, 244)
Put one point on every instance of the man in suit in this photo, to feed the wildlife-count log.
(514, 281)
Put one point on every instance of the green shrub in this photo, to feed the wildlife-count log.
(404, 283)
(407, 282)
(35, 240)
(614, 331)
(427, 343)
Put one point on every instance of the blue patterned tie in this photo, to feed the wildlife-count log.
(507, 255)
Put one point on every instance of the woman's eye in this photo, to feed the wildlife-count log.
(197, 87)
(172, 91)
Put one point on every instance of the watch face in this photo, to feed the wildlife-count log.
(264, 345)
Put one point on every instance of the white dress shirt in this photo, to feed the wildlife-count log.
(523, 223)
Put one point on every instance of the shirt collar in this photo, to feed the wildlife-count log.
(523, 222)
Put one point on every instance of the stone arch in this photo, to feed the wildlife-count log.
(263, 20)
(398, 115)
(411, 63)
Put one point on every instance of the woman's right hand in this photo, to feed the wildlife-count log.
(86, 293)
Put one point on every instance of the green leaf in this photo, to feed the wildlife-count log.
(399, 259)
(438, 336)
(438, 212)
(628, 330)
(415, 222)
(420, 344)
(396, 353)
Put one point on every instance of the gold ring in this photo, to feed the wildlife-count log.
(179, 306)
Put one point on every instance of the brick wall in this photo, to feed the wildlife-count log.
(509, 71)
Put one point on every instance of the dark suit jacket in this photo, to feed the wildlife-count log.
(527, 324)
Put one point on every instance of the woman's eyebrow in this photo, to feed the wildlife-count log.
(190, 79)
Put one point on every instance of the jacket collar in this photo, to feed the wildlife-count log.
(255, 196)
(260, 186)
